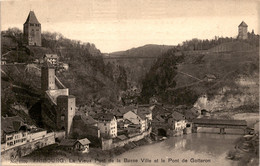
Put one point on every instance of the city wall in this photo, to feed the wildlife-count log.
(109, 144)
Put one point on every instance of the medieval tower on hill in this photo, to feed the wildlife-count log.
(61, 104)
(32, 30)
(242, 30)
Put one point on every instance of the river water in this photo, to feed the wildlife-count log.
(206, 147)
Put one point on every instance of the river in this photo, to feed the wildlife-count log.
(206, 147)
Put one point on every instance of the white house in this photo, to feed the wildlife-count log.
(136, 119)
(107, 124)
(177, 121)
(52, 58)
(82, 145)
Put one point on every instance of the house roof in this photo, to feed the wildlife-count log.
(220, 121)
(125, 109)
(177, 116)
(11, 124)
(67, 142)
(104, 116)
(159, 118)
(141, 115)
(122, 137)
(126, 121)
(189, 115)
(242, 24)
(84, 141)
(144, 110)
(32, 18)
(51, 55)
(86, 119)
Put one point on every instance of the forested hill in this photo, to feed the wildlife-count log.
(88, 77)
(224, 76)
(137, 61)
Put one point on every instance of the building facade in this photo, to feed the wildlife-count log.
(32, 30)
(136, 120)
(107, 124)
(242, 31)
(51, 58)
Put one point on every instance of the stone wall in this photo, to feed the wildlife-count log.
(109, 144)
(29, 147)
(59, 135)
(54, 93)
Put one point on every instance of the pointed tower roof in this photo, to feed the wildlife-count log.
(243, 24)
(32, 18)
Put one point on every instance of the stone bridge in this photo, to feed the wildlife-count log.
(222, 124)
(161, 129)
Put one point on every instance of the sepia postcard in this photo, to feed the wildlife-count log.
(130, 82)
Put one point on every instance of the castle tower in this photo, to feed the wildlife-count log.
(242, 30)
(65, 112)
(47, 76)
(32, 30)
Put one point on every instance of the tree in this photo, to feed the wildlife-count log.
(161, 76)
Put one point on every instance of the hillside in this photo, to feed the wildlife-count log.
(88, 77)
(136, 61)
(223, 77)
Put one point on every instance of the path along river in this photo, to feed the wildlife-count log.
(204, 148)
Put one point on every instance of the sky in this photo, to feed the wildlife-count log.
(115, 25)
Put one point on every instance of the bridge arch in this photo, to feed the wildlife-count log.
(162, 132)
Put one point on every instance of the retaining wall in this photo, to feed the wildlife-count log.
(109, 144)
(29, 147)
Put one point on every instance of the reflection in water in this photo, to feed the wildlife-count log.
(204, 148)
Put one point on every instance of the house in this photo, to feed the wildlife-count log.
(82, 145)
(84, 125)
(67, 144)
(146, 111)
(136, 119)
(119, 112)
(15, 133)
(52, 58)
(209, 77)
(177, 121)
(107, 124)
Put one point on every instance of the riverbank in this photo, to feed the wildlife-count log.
(96, 155)
(246, 150)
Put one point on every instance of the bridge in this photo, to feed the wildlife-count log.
(222, 124)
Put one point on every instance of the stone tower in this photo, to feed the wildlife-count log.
(47, 76)
(32, 30)
(242, 30)
(65, 112)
